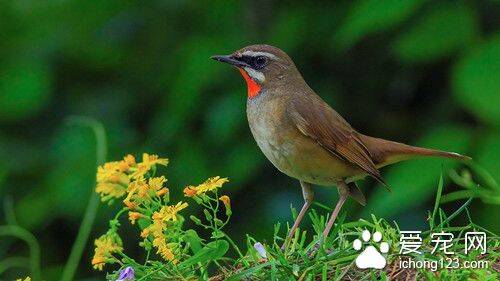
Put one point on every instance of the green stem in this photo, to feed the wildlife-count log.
(457, 195)
(13, 262)
(151, 273)
(128, 259)
(216, 210)
(233, 244)
(487, 178)
(93, 204)
(120, 213)
(35, 256)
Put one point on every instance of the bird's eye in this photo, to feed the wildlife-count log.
(260, 62)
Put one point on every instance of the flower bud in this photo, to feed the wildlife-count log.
(227, 203)
(196, 220)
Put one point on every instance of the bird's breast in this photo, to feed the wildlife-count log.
(294, 154)
(271, 131)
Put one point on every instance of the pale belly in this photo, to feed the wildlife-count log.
(297, 155)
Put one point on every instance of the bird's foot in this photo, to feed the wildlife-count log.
(312, 252)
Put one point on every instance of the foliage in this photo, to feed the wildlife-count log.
(335, 258)
(171, 250)
(182, 254)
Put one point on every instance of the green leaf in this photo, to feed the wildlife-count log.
(194, 240)
(212, 251)
(143, 223)
(369, 16)
(218, 222)
(217, 234)
(445, 29)
(475, 81)
(414, 182)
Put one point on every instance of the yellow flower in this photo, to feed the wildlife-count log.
(151, 160)
(127, 162)
(156, 183)
(156, 186)
(112, 171)
(109, 172)
(169, 213)
(136, 189)
(148, 161)
(110, 190)
(159, 240)
(208, 185)
(129, 204)
(116, 178)
(140, 190)
(211, 184)
(190, 191)
(163, 249)
(155, 229)
(133, 216)
(105, 246)
(139, 187)
(25, 279)
(162, 192)
(112, 180)
(166, 213)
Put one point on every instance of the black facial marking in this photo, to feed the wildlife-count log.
(257, 62)
(260, 62)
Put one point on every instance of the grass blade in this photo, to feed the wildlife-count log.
(438, 200)
(248, 272)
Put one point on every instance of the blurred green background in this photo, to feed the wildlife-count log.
(422, 72)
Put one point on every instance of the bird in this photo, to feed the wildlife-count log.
(305, 138)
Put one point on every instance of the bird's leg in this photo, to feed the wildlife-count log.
(308, 194)
(343, 194)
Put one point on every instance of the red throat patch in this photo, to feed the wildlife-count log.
(253, 87)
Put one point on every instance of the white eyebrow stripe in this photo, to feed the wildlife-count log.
(255, 54)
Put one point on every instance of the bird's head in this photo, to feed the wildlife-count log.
(261, 66)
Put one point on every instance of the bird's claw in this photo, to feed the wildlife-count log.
(312, 252)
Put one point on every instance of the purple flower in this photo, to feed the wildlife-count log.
(260, 249)
(126, 274)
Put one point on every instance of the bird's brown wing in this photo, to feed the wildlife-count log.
(318, 121)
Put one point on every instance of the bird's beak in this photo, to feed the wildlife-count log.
(230, 59)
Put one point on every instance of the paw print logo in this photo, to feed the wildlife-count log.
(370, 257)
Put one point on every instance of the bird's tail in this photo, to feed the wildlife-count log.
(386, 152)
